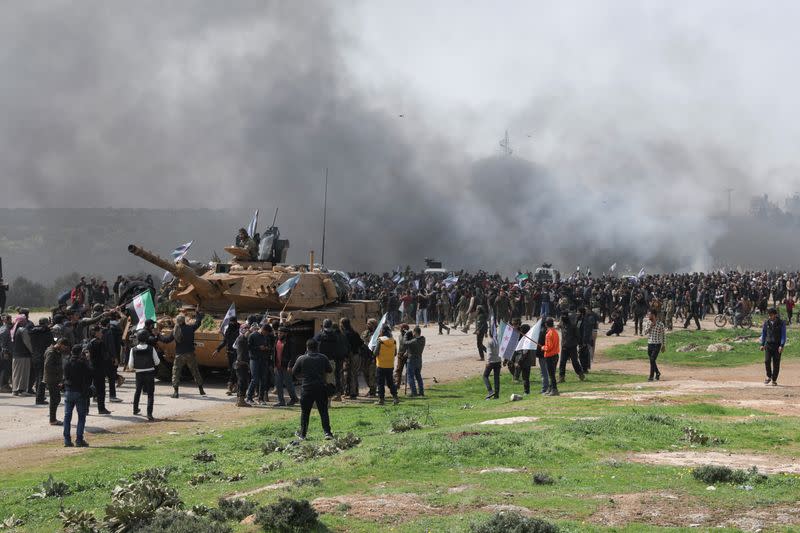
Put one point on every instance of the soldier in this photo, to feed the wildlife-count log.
(669, 312)
(442, 312)
(461, 309)
(368, 368)
(184, 351)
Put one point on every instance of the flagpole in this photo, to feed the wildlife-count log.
(324, 217)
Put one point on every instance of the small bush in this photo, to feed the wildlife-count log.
(513, 523)
(270, 467)
(200, 509)
(204, 456)
(181, 522)
(542, 478)
(236, 509)
(156, 475)
(405, 423)
(306, 451)
(11, 522)
(238, 476)
(134, 505)
(74, 521)
(271, 446)
(713, 474)
(198, 479)
(288, 515)
(51, 488)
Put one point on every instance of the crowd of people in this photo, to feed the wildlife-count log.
(77, 351)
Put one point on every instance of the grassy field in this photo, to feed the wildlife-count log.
(744, 353)
(580, 444)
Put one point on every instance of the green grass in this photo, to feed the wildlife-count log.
(743, 353)
(585, 457)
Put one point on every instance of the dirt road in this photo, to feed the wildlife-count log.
(447, 358)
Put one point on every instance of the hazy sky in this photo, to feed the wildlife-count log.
(621, 114)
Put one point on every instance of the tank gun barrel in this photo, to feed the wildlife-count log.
(184, 272)
(150, 257)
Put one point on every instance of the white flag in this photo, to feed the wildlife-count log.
(530, 340)
(231, 314)
(251, 229)
(613, 267)
(641, 273)
(373, 342)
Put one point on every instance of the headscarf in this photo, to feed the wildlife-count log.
(19, 319)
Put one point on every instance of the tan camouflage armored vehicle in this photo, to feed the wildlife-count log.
(252, 287)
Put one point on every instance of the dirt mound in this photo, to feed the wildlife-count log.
(766, 464)
(509, 421)
(670, 509)
(377, 508)
(688, 348)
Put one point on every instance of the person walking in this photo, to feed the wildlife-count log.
(493, 365)
(481, 329)
(184, 351)
(569, 348)
(143, 359)
(773, 339)
(525, 360)
(415, 345)
(77, 384)
(385, 352)
(54, 375)
(551, 351)
(229, 336)
(313, 366)
(654, 329)
(442, 310)
(21, 352)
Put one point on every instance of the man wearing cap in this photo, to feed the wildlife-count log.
(773, 339)
(143, 359)
(77, 383)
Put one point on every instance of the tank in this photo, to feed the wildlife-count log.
(253, 287)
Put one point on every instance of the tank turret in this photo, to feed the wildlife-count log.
(251, 287)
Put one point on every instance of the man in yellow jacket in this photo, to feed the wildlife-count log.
(385, 352)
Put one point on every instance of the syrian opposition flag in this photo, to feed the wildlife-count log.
(640, 275)
(143, 309)
(251, 229)
(287, 286)
(373, 341)
(450, 281)
(613, 267)
(231, 314)
(508, 340)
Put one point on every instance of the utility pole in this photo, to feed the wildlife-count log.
(324, 216)
(729, 191)
(505, 144)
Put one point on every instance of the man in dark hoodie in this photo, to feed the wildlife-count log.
(284, 356)
(333, 346)
(569, 347)
(77, 383)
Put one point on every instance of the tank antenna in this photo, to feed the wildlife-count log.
(324, 216)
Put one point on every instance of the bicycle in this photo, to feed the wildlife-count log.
(745, 321)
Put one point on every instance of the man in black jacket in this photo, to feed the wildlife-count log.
(229, 337)
(333, 345)
(184, 352)
(77, 383)
(261, 345)
(98, 359)
(313, 367)
(41, 339)
(5, 353)
(284, 357)
(569, 348)
(355, 346)
(54, 358)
